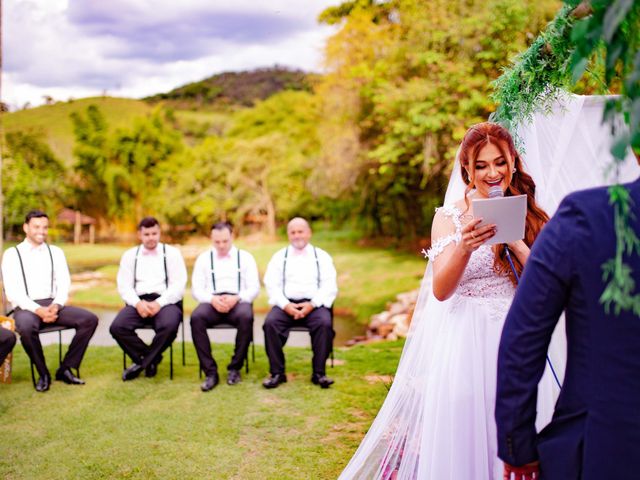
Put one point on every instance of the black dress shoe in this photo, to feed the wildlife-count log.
(151, 370)
(274, 380)
(132, 372)
(67, 377)
(233, 377)
(321, 380)
(43, 383)
(210, 382)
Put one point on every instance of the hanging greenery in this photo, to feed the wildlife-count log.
(536, 79)
(606, 31)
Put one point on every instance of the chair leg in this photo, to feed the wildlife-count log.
(59, 348)
(184, 363)
(124, 360)
(171, 361)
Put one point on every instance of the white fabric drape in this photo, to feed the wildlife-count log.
(568, 150)
(564, 150)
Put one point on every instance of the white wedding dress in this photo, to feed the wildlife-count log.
(437, 422)
(443, 423)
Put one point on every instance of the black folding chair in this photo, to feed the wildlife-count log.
(124, 355)
(49, 329)
(228, 326)
(304, 328)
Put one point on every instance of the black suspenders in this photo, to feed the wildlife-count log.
(284, 269)
(164, 259)
(24, 277)
(213, 272)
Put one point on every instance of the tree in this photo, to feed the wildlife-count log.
(137, 157)
(406, 78)
(32, 178)
(258, 169)
(91, 133)
(117, 175)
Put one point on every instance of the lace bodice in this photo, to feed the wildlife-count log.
(479, 279)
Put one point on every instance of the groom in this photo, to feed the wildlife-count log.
(595, 431)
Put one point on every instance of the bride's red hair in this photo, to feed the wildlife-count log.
(476, 138)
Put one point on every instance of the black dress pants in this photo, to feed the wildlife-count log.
(205, 316)
(7, 341)
(165, 325)
(276, 332)
(28, 325)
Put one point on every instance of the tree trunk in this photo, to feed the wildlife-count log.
(271, 216)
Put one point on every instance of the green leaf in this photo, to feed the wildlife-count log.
(620, 146)
(578, 68)
(614, 15)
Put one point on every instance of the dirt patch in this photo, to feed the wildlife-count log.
(372, 379)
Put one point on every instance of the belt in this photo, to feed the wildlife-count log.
(299, 300)
(149, 297)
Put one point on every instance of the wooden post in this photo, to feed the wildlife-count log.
(92, 233)
(77, 228)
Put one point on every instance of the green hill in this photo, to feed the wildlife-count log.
(54, 121)
(234, 88)
(199, 108)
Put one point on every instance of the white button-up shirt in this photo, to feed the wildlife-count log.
(37, 270)
(304, 277)
(225, 271)
(150, 275)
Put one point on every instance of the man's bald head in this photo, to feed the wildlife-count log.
(299, 232)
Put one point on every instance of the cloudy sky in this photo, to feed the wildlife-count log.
(133, 48)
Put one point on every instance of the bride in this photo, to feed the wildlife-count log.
(437, 422)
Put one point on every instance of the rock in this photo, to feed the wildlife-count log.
(395, 308)
(381, 317)
(400, 330)
(395, 321)
(399, 318)
(385, 329)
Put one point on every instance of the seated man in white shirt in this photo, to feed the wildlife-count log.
(225, 281)
(301, 284)
(151, 280)
(37, 281)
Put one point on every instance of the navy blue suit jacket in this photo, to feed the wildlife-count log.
(595, 431)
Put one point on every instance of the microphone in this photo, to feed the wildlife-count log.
(496, 192)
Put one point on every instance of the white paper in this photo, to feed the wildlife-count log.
(507, 213)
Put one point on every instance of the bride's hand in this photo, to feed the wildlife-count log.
(473, 237)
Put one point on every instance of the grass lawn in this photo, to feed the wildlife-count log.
(167, 429)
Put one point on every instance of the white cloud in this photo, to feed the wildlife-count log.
(75, 48)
